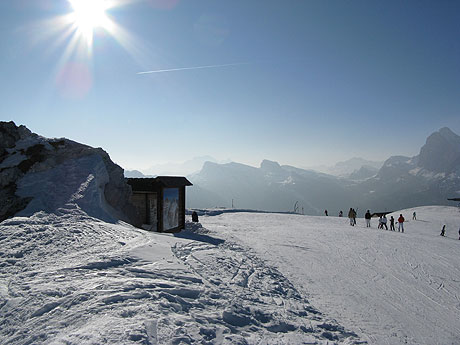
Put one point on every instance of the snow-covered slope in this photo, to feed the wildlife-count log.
(242, 278)
(73, 279)
(390, 287)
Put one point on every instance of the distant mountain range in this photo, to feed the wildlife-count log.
(400, 182)
(173, 168)
(350, 166)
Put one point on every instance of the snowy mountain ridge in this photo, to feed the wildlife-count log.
(399, 183)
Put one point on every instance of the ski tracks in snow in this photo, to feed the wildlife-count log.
(254, 301)
(71, 279)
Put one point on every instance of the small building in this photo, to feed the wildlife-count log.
(160, 202)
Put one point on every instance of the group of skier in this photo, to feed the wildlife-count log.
(383, 222)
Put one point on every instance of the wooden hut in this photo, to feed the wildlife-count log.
(160, 202)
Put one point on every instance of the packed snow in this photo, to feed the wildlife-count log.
(234, 278)
(388, 287)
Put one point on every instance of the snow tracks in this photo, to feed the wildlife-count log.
(72, 280)
(249, 302)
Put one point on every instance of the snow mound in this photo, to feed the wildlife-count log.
(41, 174)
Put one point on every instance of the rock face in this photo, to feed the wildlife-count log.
(441, 152)
(40, 174)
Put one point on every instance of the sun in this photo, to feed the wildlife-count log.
(89, 15)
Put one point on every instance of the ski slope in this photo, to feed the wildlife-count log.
(236, 278)
(71, 279)
(389, 287)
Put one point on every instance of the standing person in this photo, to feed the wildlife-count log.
(340, 213)
(384, 222)
(401, 223)
(325, 212)
(443, 230)
(459, 234)
(380, 223)
(350, 216)
(414, 216)
(392, 223)
(194, 217)
(354, 216)
(367, 217)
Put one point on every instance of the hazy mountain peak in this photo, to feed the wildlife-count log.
(441, 152)
(180, 168)
(450, 136)
(270, 166)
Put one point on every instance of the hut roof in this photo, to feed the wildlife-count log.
(154, 184)
(380, 214)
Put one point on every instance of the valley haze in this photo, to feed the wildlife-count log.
(431, 177)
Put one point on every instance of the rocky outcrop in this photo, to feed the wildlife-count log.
(58, 172)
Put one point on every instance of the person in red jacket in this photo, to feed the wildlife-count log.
(401, 223)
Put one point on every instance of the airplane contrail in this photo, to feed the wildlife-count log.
(195, 67)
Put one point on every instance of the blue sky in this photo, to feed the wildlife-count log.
(314, 82)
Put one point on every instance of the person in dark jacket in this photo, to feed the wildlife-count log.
(325, 212)
(392, 223)
(367, 217)
(443, 230)
(194, 217)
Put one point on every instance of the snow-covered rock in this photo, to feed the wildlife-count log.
(41, 174)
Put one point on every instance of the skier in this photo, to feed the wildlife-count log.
(367, 217)
(459, 234)
(443, 230)
(380, 223)
(194, 217)
(325, 212)
(414, 216)
(340, 213)
(351, 216)
(384, 222)
(401, 223)
(392, 223)
(354, 216)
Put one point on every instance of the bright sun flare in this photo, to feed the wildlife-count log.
(88, 15)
